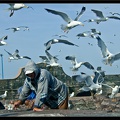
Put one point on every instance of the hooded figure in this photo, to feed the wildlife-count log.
(49, 90)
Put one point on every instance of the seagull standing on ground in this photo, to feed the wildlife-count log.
(70, 22)
(53, 41)
(109, 58)
(2, 42)
(16, 6)
(15, 56)
(3, 96)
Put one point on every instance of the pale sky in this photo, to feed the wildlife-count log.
(44, 25)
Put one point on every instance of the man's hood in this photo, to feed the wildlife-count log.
(31, 66)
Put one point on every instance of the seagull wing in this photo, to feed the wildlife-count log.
(80, 14)
(4, 38)
(103, 47)
(96, 77)
(93, 30)
(43, 57)
(8, 53)
(26, 57)
(72, 58)
(98, 13)
(107, 85)
(63, 15)
(78, 78)
(50, 57)
(66, 42)
(48, 44)
(117, 56)
(88, 65)
(114, 17)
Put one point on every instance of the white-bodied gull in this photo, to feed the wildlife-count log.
(16, 6)
(18, 28)
(2, 42)
(70, 22)
(92, 82)
(77, 65)
(15, 56)
(3, 96)
(115, 90)
(90, 34)
(101, 17)
(53, 59)
(44, 59)
(53, 41)
(109, 58)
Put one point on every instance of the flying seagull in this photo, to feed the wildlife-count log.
(109, 58)
(2, 42)
(115, 90)
(53, 41)
(53, 59)
(70, 22)
(15, 55)
(77, 65)
(83, 34)
(91, 82)
(90, 34)
(101, 17)
(18, 28)
(16, 6)
(44, 59)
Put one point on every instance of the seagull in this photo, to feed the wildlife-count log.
(83, 34)
(115, 90)
(18, 28)
(2, 42)
(4, 95)
(92, 83)
(109, 58)
(53, 59)
(99, 69)
(77, 65)
(44, 59)
(90, 34)
(70, 22)
(101, 17)
(16, 6)
(72, 94)
(15, 56)
(14, 29)
(53, 41)
(25, 28)
(94, 32)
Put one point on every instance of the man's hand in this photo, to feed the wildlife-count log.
(17, 104)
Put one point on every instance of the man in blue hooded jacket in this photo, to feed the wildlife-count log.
(48, 89)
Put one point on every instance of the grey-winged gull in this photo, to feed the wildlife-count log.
(70, 22)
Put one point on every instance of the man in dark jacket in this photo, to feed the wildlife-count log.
(49, 90)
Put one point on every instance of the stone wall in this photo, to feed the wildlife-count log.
(11, 85)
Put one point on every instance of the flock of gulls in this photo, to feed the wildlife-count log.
(92, 82)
